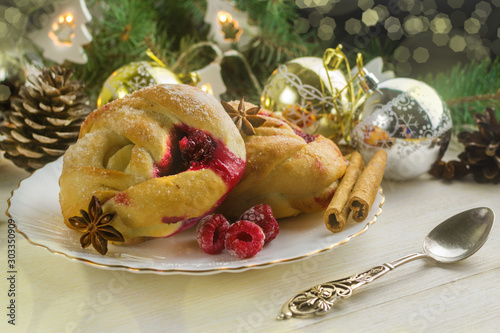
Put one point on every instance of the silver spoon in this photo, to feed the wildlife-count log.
(455, 239)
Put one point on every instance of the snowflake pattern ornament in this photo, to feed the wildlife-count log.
(132, 77)
(300, 91)
(62, 38)
(407, 119)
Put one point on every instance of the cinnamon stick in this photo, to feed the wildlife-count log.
(364, 192)
(338, 210)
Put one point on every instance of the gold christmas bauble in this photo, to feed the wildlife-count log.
(132, 77)
(302, 92)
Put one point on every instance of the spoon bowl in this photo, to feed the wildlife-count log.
(460, 236)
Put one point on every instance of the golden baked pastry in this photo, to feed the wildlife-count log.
(286, 168)
(161, 157)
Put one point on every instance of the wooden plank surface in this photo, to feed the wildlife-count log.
(55, 294)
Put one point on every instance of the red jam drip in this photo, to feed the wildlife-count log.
(225, 164)
(164, 165)
(185, 224)
(172, 219)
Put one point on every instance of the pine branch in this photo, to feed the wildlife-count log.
(468, 89)
(118, 38)
(471, 99)
(128, 28)
(277, 42)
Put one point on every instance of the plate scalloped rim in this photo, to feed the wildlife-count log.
(124, 260)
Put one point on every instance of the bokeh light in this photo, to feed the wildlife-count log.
(365, 4)
(483, 10)
(416, 24)
(440, 39)
(301, 25)
(353, 26)
(441, 24)
(418, 33)
(430, 7)
(370, 17)
(473, 42)
(455, 4)
(472, 25)
(326, 28)
(315, 18)
(13, 16)
(402, 54)
(421, 55)
(480, 53)
(393, 27)
(382, 12)
(457, 43)
(411, 6)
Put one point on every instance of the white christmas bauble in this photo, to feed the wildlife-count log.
(408, 119)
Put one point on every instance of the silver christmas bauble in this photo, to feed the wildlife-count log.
(407, 119)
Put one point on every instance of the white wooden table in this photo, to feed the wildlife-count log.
(54, 294)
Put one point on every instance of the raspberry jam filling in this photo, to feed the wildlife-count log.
(307, 137)
(194, 149)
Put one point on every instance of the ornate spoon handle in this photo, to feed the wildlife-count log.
(319, 299)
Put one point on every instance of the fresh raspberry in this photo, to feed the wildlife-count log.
(211, 232)
(244, 239)
(196, 148)
(262, 215)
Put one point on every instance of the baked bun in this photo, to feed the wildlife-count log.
(286, 168)
(161, 157)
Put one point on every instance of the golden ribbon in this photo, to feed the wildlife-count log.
(346, 116)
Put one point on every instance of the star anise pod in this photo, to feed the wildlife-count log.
(96, 228)
(482, 148)
(245, 120)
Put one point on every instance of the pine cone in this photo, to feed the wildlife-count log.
(449, 170)
(482, 152)
(45, 119)
(8, 90)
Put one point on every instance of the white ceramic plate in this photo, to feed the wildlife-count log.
(34, 206)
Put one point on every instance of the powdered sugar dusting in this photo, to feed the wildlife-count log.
(192, 102)
(137, 137)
